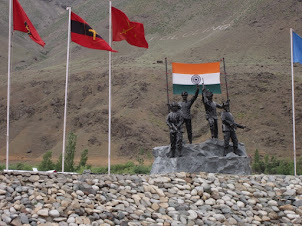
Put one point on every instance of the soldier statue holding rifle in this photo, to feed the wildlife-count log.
(229, 128)
(210, 107)
(174, 121)
(185, 108)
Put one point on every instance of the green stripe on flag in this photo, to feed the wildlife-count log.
(178, 89)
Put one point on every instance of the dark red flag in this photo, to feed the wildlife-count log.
(84, 35)
(124, 29)
(22, 23)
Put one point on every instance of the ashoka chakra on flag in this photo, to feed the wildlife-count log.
(195, 79)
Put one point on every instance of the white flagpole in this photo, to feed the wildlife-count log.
(8, 80)
(293, 101)
(66, 87)
(109, 101)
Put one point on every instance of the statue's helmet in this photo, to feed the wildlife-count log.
(175, 104)
(184, 93)
(226, 104)
(209, 93)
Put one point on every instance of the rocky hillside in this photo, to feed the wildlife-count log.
(174, 199)
(252, 36)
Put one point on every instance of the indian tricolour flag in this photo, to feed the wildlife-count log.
(186, 76)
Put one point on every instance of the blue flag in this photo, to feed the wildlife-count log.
(297, 48)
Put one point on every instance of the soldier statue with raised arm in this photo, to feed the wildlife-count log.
(211, 114)
(186, 111)
(174, 121)
(229, 128)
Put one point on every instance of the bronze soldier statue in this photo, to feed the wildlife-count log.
(229, 128)
(211, 114)
(185, 108)
(174, 121)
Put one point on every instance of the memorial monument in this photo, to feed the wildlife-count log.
(212, 156)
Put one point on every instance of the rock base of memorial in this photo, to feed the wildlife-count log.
(203, 157)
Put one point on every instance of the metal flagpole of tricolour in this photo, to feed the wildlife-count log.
(8, 80)
(226, 81)
(293, 100)
(109, 101)
(167, 84)
(66, 87)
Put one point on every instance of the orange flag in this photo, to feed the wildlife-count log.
(124, 29)
(22, 23)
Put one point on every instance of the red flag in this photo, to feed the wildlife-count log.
(22, 23)
(124, 29)
(84, 35)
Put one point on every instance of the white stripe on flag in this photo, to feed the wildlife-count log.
(185, 79)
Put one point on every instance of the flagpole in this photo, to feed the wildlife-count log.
(66, 87)
(167, 84)
(109, 101)
(226, 82)
(293, 101)
(8, 80)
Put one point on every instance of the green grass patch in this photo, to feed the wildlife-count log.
(127, 168)
(272, 165)
(18, 166)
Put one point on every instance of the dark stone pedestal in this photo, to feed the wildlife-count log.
(203, 157)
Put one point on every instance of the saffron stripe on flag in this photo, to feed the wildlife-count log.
(178, 89)
(205, 68)
(186, 79)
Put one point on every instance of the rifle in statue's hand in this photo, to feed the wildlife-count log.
(239, 126)
(246, 129)
(174, 128)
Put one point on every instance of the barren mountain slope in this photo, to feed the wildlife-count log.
(252, 36)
